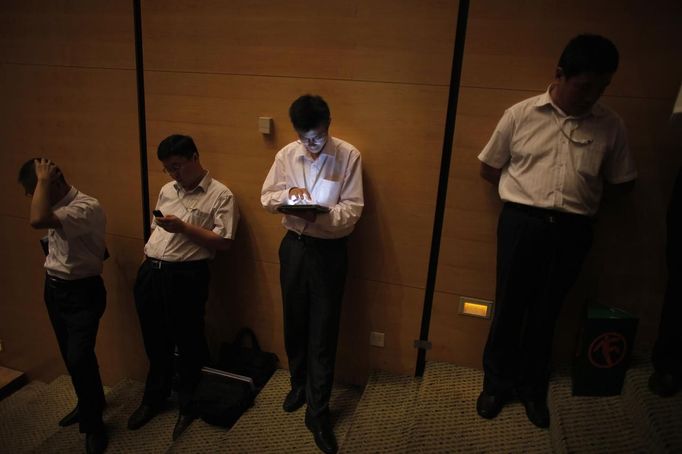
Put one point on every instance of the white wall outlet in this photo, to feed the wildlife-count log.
(376, 339)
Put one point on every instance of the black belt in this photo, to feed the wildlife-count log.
(551, 216)
(312, 239)
(58, 281)
(163, 265)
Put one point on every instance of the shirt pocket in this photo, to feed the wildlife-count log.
(590, 159)
(201, 218)
(327, 192)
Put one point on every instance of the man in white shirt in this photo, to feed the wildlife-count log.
(550, 156)
(195, 216)
(74, 291)
(321, 170)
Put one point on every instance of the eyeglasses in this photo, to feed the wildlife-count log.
(313, 140)
(175, 168)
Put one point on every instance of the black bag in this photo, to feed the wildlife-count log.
(221, 398)
(248, 361)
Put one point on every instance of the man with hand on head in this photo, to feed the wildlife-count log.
(326, 171)
(549, 156)
(195, 216)
(74, 291)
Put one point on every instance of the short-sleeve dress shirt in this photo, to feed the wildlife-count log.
(333, 180)
(211, 205)
(76, 249)
(557, 161)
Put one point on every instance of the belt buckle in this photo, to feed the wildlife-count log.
(156, 264)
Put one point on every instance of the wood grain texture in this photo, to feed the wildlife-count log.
(408, 41)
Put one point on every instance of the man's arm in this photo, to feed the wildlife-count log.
(42, 216)
(490, 173)
(199, 235)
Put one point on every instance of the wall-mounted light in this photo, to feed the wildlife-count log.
(475, 307)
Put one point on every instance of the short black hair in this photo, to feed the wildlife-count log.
(27, 174)
(589, 54)
(176, 145)
(309, 112)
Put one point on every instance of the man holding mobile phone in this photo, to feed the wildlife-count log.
(195, 216)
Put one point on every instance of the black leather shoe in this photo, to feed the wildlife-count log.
(321, 428)
(183, 422)
(142, 416)
(71, 418)
(489, 405)
(537, 412)
(96, 442)
(665, 384)
(294, 400)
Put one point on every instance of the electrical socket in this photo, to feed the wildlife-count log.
(376, 339)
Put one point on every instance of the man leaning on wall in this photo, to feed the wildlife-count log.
(195, 216)
(74, 291)
(549, 156)
(323, 170)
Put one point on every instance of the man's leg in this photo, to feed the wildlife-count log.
(516, 285)
(325, 268)
(158, 343)
(75, 310)
(186, 295)
(295, 307)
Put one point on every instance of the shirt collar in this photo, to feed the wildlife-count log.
(67, 198)
(302, 153)
(545, 99)
(203, 184)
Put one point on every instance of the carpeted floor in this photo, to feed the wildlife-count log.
(394, 414)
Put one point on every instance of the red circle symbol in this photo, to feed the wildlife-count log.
(607, 350)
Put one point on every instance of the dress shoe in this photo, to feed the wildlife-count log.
(142, 416)
(294, 400)
(665, 384)
(537, 412)
(71, 418)
(489, 405)
(96, 442)
(321, 428)
(183, 422)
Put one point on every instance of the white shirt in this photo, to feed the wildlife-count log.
(211, 205)
(556, 161)
(76, 249)
(333, 180)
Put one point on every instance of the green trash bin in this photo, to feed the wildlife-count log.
(603, 353)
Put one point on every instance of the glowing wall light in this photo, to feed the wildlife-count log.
(475, 307)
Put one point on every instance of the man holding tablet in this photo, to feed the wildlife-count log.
(316, 182)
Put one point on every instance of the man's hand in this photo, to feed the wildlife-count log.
(171, 224)
(46, 170)
(300, 195)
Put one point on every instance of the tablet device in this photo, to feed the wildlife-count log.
(286, 209)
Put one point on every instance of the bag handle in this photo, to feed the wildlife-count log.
(242, 334)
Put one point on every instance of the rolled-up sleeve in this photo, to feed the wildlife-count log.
(497, 151)
(226, 216)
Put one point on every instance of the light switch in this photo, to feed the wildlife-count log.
(265, 125)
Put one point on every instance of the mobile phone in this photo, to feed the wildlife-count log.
(157, 213)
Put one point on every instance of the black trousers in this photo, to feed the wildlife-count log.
(170, 302)
(539, 256)
(75, 308)
(667, 353)
(312, 276)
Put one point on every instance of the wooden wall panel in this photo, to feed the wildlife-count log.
(511, 52)
(96, 33)
(382, 40)
(83, 119)
(68, 88)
